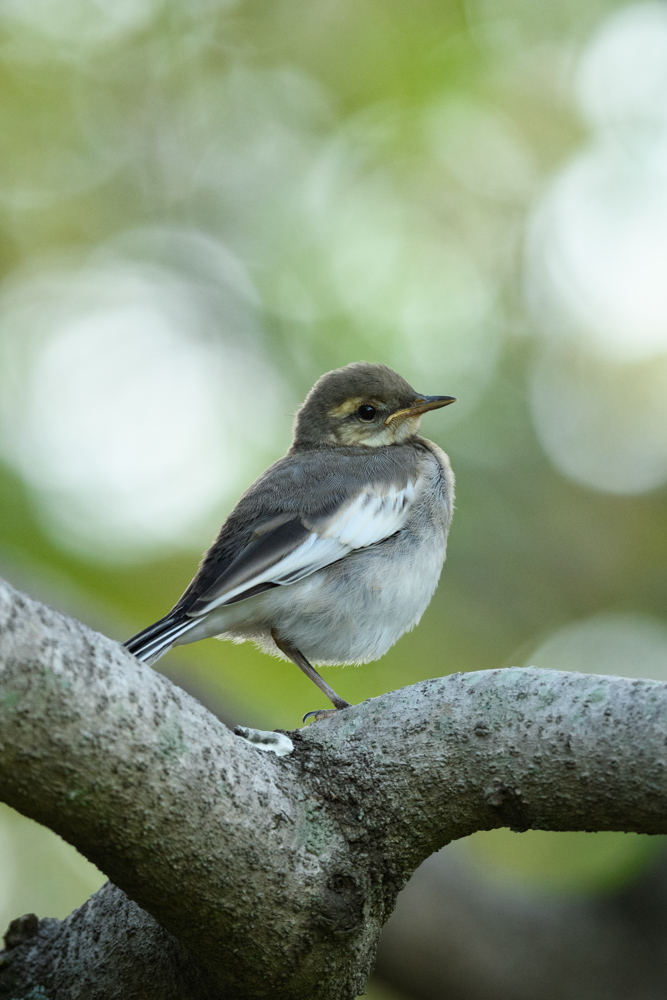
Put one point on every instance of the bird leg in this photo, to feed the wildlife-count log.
(309, 670)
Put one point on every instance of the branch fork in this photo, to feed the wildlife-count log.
(238, 873)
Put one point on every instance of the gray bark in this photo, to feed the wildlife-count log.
(272, 877)
(108, 949)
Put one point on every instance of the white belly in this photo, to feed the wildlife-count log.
(350, 612)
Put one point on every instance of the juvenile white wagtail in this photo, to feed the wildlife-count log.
(336, 550)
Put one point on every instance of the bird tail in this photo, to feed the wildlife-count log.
(156, 640)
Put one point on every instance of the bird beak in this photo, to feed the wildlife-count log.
(421, 405)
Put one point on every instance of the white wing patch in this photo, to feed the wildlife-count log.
(367, 519)
(370, 517)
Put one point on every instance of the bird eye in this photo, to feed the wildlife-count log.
(366, 412)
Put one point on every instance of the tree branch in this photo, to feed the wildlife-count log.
(108, 949)
(276, 874)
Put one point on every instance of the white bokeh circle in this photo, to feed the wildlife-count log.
(627, 645)
(603, 424)
(597, 252)
(133, 411)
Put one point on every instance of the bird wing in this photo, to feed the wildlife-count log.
(288, 551)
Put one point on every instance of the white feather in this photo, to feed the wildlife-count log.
(367, 519)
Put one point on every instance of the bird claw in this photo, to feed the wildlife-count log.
(321, 713)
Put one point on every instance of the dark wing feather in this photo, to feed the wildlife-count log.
(260, 554)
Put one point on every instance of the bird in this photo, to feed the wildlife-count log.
(336, 550)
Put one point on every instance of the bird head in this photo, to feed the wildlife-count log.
(362, 405)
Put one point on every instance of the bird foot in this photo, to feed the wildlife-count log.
(322, 713)
(279, 743)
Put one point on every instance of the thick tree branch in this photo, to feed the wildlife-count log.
(108, 949)
(277, 874)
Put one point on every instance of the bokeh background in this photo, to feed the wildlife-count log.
(206, 204)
